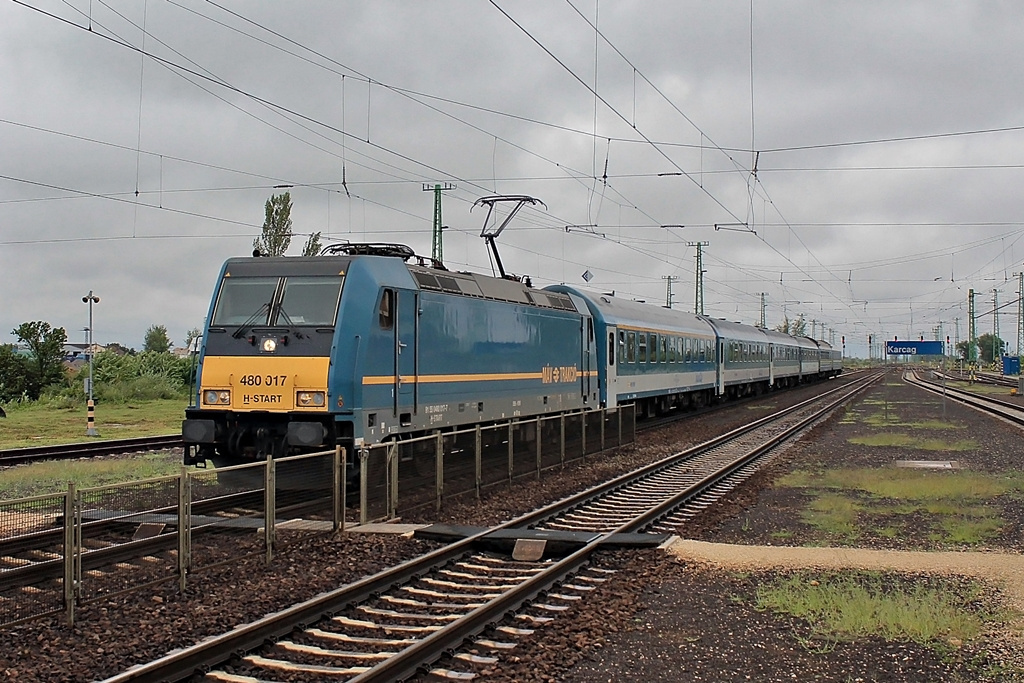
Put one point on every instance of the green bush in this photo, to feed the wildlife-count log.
(144, 388)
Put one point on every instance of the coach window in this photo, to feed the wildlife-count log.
(611, 348)
(663, 357)
(386, 314)
(622, 347)
(642, 347)
(631, 347)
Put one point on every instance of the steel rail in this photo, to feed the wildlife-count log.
(17, 456)
(181, 664)
(411, 660)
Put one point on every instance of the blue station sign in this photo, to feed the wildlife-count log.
(913, 348)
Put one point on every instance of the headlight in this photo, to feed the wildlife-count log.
(307, 399)
(269, 345)
(212, 397)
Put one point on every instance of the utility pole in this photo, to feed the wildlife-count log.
(669, 279)
(972, 328)
(1020, 314)
(436, 245)
(698, 303)
(90, 430)
(995, 324)
(763, 325)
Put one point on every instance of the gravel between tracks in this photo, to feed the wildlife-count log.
(663, 619)
(111, 636)
(688, 615)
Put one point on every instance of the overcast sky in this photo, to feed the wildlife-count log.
(139, 141)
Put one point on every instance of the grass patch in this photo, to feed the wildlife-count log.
(909, 484)
(898, 440)
(53, 476)
(967, 531)
(833, 514)
(955, 504)
(880, 420)
(847, 607)
(43, 424)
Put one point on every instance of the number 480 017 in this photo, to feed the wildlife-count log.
(263, 380)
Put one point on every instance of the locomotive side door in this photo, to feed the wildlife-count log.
(406, 335)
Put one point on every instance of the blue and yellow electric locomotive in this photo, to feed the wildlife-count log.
(360, 346)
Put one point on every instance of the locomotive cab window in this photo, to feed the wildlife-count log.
(245, 300)
(309, 301)
(289, 301)
(386, 311)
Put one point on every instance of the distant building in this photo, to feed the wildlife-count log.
(77, 354)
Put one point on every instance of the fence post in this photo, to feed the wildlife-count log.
(537, 442)
(479, 455)
(364, 513)
(269, 504)
(344, 487)
(392, 472)
(583, 436)
(603, 444)
(184, 527)
(511, 461)
(69, 553)
(76, 543)
(561, 441)
(439, 469)
(336, 487)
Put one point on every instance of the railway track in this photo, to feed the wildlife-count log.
(119, 550)
(17, 456)
(447, 612)
(1007, 410)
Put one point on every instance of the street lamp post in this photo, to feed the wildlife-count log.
(91, 419)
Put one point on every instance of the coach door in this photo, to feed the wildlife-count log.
(406, 356)
(610, 365)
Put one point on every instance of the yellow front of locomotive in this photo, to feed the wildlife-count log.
(263, 380)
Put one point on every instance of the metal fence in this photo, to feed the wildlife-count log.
(68, 549)
(64, 550)
(406, 476)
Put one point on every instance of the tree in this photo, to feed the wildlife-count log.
(797, 328)
(16, 375)
(157, 339)
(277, 227)
(987, 352)
(47, 346)
(313, 246)
(963, 349)
(191, 336)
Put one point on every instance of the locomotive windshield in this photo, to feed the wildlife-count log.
(262, 301)
(309, 301)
